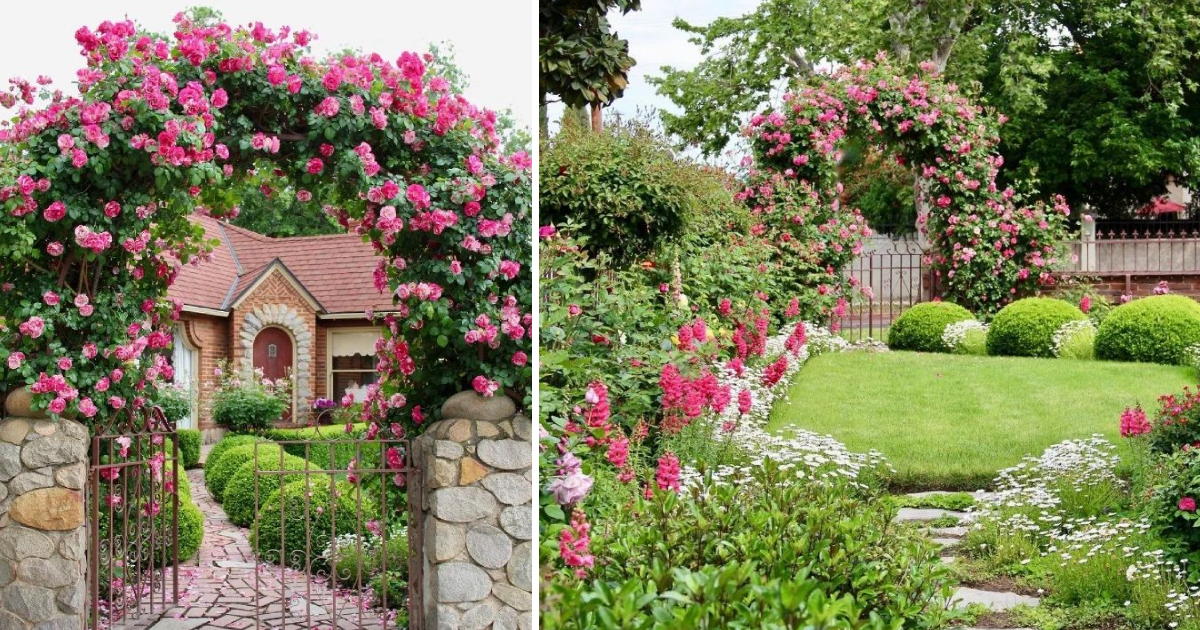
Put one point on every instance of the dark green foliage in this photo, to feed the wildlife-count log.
(1156, 329)
(218, 474)
(1026, 327)
(239, 497)
(622, 188)
(770, 554)
(580, 59)
(920, 327)
(247, 408)
(395, 585)
(316, 524)
(1178, 479)
(188, 441)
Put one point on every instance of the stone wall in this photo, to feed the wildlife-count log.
(477, 467)
(43, 468)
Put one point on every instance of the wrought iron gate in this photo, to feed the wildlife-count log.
(892, 275)
(133, 504)
(327, 536)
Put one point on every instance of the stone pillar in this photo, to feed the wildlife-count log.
(43, 548)
(477, 467)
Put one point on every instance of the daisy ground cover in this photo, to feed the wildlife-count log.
(952, 422)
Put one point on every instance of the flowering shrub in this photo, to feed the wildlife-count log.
(988, 249)
(175, 401)
(1157, 329)
(249, 404)
(1026, 328)
(966, 337)
(1173, 508)
(1075, 339)
(921, 327)
(96, 190)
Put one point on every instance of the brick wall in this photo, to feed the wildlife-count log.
(1141, 286)
(277, 290)
(210, 335)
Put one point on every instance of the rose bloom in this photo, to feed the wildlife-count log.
(1187, 504)
(15, 359)
(315, 165)
(50, 298)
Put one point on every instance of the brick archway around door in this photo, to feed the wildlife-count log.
(284, 317)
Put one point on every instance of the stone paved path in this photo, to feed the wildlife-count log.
(949, 538)
(217, 589)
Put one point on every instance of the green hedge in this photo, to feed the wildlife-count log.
(1026, 327)
(1154, 329)
(239, 491)
(218, 474)
(318, 453)
(188, 441)
(316, 526)
(920, 327)
(226, 443)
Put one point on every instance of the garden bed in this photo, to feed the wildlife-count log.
(950, 422)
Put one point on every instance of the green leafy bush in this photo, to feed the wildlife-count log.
(325, 440)
(1076, 339)
(317, 525)
(358, 560)
(228, 442)
(1173, 508)
(769, 554)
(1155, 329)
(188, 441)
(1026, 327)
(920, 327)
(175, 401)
(623, 188)
(218, 474)
(394, 587)
(249, 404)
(238, 500)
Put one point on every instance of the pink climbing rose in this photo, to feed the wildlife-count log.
(1187, 504)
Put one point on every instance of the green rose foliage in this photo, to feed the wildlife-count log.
(920, 328)
(1156, 329)
(1026, 327)
(1173, 506)
(96, 190)
(987, 250)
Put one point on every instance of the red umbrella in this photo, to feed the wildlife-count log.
(1161, 205)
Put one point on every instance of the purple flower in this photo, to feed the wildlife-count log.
(570, 489)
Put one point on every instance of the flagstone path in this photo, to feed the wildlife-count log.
(218, 588)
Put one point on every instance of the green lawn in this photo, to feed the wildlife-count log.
(951, 422)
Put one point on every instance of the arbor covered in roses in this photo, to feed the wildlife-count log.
(987, 249)
(96, 190)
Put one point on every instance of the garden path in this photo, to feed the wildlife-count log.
(995, 599)
(217, 588)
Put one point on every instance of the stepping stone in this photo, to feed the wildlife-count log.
(232, 533)
(946, 542)
(179, 624)
(921, 515)
(232, 564)
(301, 607)
(948, 532)
(993, 600)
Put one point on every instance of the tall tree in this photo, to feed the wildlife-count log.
(580, 59)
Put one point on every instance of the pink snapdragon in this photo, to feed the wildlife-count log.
(667, 475)
(1134, 422)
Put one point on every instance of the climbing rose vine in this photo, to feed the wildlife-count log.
(96, 190)
(987, 249)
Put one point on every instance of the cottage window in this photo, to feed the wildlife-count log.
(351, 362)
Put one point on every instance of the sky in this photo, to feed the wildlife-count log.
(494, 40)
(654, 43)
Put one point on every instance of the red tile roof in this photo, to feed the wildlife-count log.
(336, 270)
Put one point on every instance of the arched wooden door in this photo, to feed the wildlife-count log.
(274, 354)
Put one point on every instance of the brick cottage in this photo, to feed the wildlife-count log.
(280, 304)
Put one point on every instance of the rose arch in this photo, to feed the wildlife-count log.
(987, 248)
(96, 190)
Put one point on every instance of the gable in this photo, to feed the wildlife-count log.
(274, 284)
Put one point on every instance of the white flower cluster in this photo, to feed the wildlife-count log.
(1068, 331)
(956, 332)
(811, 455)
(1192, 353)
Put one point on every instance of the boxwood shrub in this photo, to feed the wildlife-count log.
(1026, 327)
(316, 525)
(318, 452)
(239, 491)
(226, 443)
(920, 327)
(1155, 329)
(218, 474)
(188, 441)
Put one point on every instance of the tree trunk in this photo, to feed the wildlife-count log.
(543, 115)
(597, 118)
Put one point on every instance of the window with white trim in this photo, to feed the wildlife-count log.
(352, 361)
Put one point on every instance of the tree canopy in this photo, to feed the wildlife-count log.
(580, 59)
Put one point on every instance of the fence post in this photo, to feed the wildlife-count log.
(477, 467)
(43, 533)
(1087, 250)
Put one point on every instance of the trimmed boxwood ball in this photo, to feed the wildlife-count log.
(239, 491)
(218, 475)
(1026, 327)
(920, 327)
(1155, 329)
(316, 524)
(188, 441)
(226, 443)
